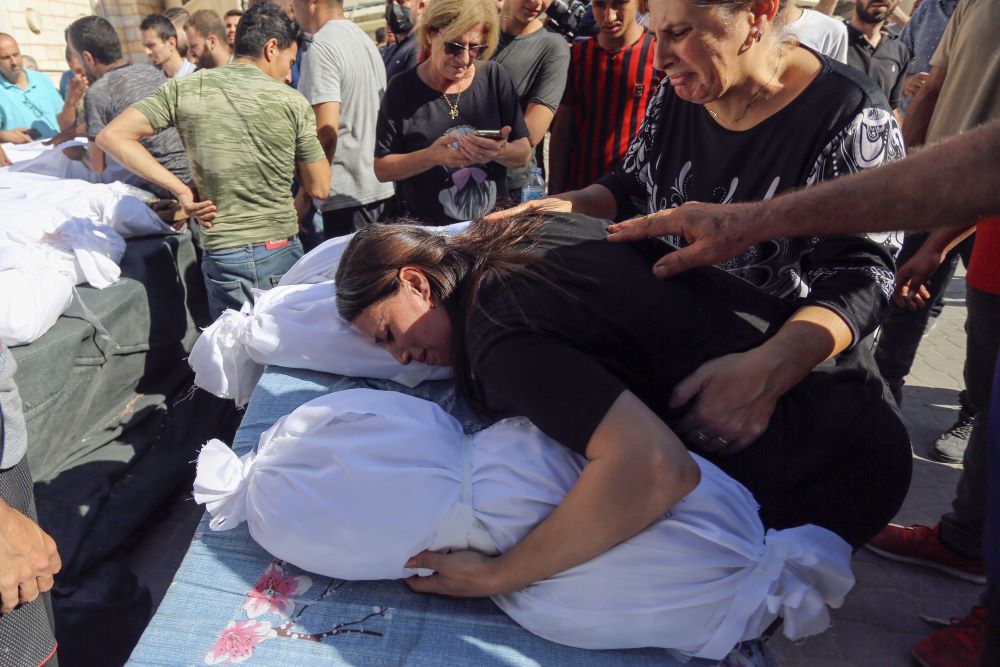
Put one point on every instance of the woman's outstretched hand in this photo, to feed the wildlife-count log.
(734, 398)
(464, 574)
(714, 232)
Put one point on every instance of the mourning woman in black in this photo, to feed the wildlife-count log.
(746, 114)
(546, 319)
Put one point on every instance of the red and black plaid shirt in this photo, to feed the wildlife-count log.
(608, 93)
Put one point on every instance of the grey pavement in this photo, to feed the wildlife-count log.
(880, 620)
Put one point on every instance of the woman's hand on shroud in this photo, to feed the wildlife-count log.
(734, 398)
(464, 574)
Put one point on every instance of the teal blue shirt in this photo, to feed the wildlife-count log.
(35, 107)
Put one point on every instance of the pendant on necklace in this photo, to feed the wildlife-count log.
(453, 113)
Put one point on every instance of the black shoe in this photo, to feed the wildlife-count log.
(950, 447)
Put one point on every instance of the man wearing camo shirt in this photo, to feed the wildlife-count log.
(245, 133)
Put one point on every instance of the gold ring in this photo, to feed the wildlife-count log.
(701, 436)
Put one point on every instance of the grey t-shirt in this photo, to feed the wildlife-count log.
(112, 94)
(342, 65)
(538, 63)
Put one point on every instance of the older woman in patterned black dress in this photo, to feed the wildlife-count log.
(745, 114)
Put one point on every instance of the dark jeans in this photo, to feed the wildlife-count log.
(903, 329)
(349, 220)
(231, 274)
(962, 528)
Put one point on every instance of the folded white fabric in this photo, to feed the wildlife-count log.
(352, 484)
(116, 205)
(31, 300)
(296, 326)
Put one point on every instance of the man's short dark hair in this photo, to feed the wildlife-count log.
(379, 35)
(161, 24)
(233, 12)
(177, 14)
(260, 24)
(207, 22)
(96, 36)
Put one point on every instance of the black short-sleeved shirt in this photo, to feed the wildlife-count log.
(561, 356)
(839, 124)
(885, 64)
(400, 56)
(413, 115)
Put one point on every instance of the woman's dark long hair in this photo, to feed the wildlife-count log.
(455, 268)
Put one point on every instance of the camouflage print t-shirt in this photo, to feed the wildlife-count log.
(243, 132)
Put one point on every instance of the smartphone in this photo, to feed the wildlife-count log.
(489, 134)
(34, 134)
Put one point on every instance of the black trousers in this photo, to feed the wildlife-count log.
(349, 220)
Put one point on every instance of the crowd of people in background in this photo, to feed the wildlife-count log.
(283, 124)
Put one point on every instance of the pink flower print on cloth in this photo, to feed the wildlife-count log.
(274, 592)
(238, 641)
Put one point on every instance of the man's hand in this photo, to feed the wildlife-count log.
(910, 292)
(68, 134)
(28, 559)
(78, 87)
(714, 232)
(4, 160)
(16, 136)
(202, 211)
(913, 84)
(76, 153)
(303, 204)
(464, 574)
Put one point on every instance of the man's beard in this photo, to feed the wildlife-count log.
(205, 60)
(866, 16)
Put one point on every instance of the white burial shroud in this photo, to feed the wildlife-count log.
(296, 325)
(352, 484)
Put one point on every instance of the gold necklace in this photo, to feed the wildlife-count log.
(753, 99)
(454, 107)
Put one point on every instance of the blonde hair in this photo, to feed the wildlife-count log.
(451, 19)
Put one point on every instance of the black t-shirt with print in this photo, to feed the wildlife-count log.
(414, 115)
(839, 124)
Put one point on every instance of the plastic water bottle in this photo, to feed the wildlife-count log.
(534, 188)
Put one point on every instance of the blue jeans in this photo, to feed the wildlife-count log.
(231, 273)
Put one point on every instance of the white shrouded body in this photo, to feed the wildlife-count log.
(352, 484)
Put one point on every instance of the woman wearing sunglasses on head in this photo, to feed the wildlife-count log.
(427, 127)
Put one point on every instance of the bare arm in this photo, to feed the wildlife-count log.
(538, 118)
(328, 127)
(638, 470)
(315, 178)
(918, 118)
(563, 129)
(902, 195)
(67, 117)
(120, 138)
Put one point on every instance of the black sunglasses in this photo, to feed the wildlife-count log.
(456, 49)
